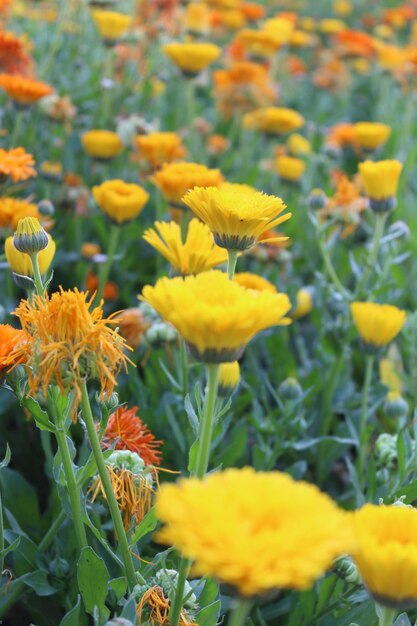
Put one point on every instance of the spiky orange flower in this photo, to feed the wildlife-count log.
(69, 342)
(10, 339)
(16, 163)
(13, 209)
(158, 605)
(24, 90)
(13, 56)
(129, 432)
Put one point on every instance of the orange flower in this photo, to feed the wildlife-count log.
(24, 90)
(110, 292)
(253, 11)
(355, 43)
(10, 339)
(132, 325)
(342, 135)
(129, 432)
(12, 210)
(242, 87)
(16, 163)
(347, 204)
(13, 56)
(159, 148)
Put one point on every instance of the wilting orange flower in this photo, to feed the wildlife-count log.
(110, 292)
(346, 204)
(132, 325)
(13, 56)
(128, 432)
(242, 87)
(159, 148)
(24, 90)
(10, 339)
(157, 606)
(355, 43)
(342, 135)
(253, 11)
(16, 163)
(12, 210)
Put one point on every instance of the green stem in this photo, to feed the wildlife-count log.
(380, 220)
(240, 612)
(52, 531)
(328, 394)
(184, 367)
(179, 591)
(105, 267)
(362, 420)
(206, 424)
(108, 490)
(331, 271)
(108, 74)
(183, 224)
(1, 536)
(387, 616)
(16, 127)
(37, 274)
(231, 263)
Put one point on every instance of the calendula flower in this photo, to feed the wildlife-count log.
(331, 26)
(229, 378)
(102, 144)
(13, 209)
(346, 205)
(216, 316)
(232, 520)
(303, 303)
(14, 58)
(10, 341)
(380, 179)
(259, 44)
(281, 28)
(290, 168)
(69, 341)
(175, 179)
(110, 24)
(390, 372)
(132, 326)
(196, 19)
(253, 281)
(236, 218)
(198, 253)
(273, 120)
(298, 145)
(22, 90)
(242, 87)
(160, 148)
(20, 263)
(386, 553)
(192, 57)
(371, 135)
(17, 164)
(120, 201)
(377, 324)
(30, 237)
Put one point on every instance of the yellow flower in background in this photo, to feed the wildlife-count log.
(237, 187)
(196, 18)
(259, 43)
(256, 531)
(175, 179)
(380, 179)
(159, 148)
(197, 254)
(298, 145)
(303, 303)
(377, 324)
(102, 144)
(120, 201)
(290, 168)
(253, 281)
(342, 7)
(371, 135)
(110, 24)
(274, 120)
(237, 219)
(281, 28)
(301, 39)
(331, 26)
(20, 263)
(386, 553)
(13, 209)
(192, 57)
(390, 371)
(216, 316)
(229, 378)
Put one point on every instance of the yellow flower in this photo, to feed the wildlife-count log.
(298, 145)
(229, 378)
(20, 263)
(342, 7)
(102, 144)
(110, 24)
(256, 531)
(274, 120)
(380, 179)
(386, 553)
(304, 303)
(377, 324)
(13, 209)
(371, 135)
(120, 201)
(259, 43)
(159, 148)
(390, 370)
(175, 179)
(237, 187)
(290, 168)
(253, 281)
(196, 18)
(281, 28)
(331, 26)
(216, 316)
(237, 219)
(197, 254)
(192, 57)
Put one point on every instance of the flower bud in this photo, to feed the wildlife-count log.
(20, 262)
(395, 406)
(290, 389)
(317, 200)
(304, 303)
(30, 237)
(347, 570)
(59, 567)
(386, 451)
(46, 208)
(229, 378)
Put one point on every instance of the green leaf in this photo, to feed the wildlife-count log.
(38, 581)
(92, 578)
(72, 618)
(209, 615)
(209, 593)
(20, 499)
(39, 415)
(147, 525)
(119, 586)
(10, 548)
(5, 462)
(129, 610)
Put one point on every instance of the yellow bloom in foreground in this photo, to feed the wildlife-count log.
(371, 135)
(110, 24)
(253, 281)
(386, 553)
(256, 531)
(237, 219)
(192, 57)
(377, 324)
(380, 179)
(274, 120)
(102, 144)
(20, 263)
(120, 201)
(290, 168)
(197, 254)
(175, 179)
(216, 316)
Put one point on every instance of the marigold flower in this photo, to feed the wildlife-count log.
(242, 87)
(290, 168)
(212, 519)
(377, 324)
(331, 26)
(132, 326)
(13, 56)
(110, 24)
(22, 90)
(126, 431)
(386, 553)
(192, 57)
(303, 303)
(229, 378)
(281, 28)
(20, 263)
(371, 135)
(120, 201)
(253, 281)
(102, 144)
(13, 209)
(10, 339)
(236, 218)
(110, 291)
(216, 316)
(273, 120)
(253, 11)
(16, 163)
(380, 180)
(160, 148)
(298, 145)
(259, 44)
(198, 253)
(69, 341)
(175, 179)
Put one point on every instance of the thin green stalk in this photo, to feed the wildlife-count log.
(331, 271)
(328, 394)
(380, 220)
(387, 616)
(184, 367)
(183, 224)
(20, 113)
(108, 74)
(106, 266)
(364, 407)
(206, 424)
(108, 490)
(183, 570)
(240, 612)
(37, 274)
(52, 531)
(231, 263)
(1, 537)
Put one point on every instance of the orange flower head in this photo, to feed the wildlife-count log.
(175, 179)
(132, 325)
(13, 56)
(159, 148)
(128, 432)
(17, 164)
(110, 291)
(342, 135)
(355, 43)
(22, 90)
(13, 209)
(10, 341)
